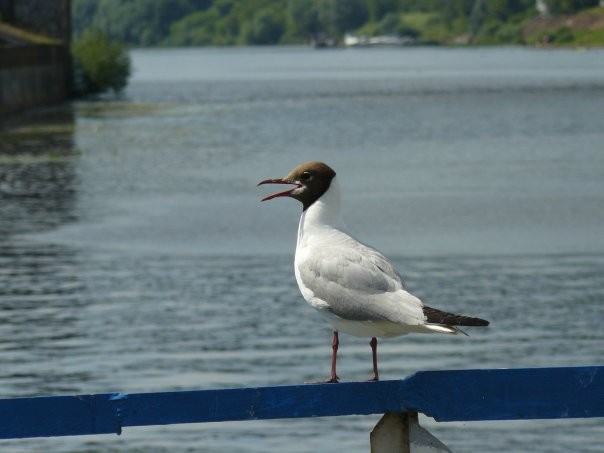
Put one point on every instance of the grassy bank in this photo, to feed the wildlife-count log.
(585, 29)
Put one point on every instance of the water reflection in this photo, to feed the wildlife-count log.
(37, 174)
(39, 305)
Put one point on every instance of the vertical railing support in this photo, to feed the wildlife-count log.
(391, 434)
(400, 432)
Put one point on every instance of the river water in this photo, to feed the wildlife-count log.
(135, 255)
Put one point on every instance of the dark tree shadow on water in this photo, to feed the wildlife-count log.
(42, 297)
(38, 181)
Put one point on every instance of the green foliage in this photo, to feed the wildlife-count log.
(569, 6)
(563, 35)
(100, 64)
(497, 32)
(134, 22)
(494, 21)
(549, 36)
(197, 29)
(230, 22)
(377, 9)
(302, 19)
(266, 27)
(340, 16)
(589, 38)
(502, 10)
(389, 25)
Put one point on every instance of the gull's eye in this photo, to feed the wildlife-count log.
(305, 176)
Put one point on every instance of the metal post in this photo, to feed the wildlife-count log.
(400, 432)
(391, 434)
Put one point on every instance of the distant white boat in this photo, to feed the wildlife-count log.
(355, 40)
(351, 40)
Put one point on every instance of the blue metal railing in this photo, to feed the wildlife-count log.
(500, 394)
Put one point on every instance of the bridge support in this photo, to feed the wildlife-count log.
(400, 432)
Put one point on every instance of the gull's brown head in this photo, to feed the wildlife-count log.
(310, 181)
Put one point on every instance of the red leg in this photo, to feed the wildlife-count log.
(373, 344)
(334, 346)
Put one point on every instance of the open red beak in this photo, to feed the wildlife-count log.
(285, 193)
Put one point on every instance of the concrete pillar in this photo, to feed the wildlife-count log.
(400, 432)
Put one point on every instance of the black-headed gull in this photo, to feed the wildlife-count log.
(354, 286)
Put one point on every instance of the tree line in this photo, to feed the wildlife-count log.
(242, 22)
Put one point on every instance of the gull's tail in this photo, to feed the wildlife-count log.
(449, 321)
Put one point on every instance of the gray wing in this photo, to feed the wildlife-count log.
(358, 283)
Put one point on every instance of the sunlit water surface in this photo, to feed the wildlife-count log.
(135, 255)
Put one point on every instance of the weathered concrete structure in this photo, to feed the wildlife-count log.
(34, 53)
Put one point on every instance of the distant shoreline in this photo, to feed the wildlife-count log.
(551, 23)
